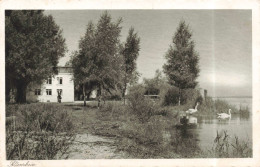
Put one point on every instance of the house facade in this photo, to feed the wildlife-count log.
(62, 84)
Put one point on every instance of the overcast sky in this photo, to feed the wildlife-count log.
(223, 40)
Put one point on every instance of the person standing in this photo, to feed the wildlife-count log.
(59, 97)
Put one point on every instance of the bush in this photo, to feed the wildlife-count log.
(140, 125)
(143, 140)
(140, 106)
(169, 95)
(191, 96)
(40, 117)
(41, 131)
(24, 145)
(244, 111)
(112, 110)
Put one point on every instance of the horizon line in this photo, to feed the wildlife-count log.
(233, 97)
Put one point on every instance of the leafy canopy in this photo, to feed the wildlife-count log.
(98, 60)
(33, 46)
(182, 67)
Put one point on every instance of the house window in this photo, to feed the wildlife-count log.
(48, 92)
(49, 81)
(59, 91)
(59, 80)
(37, 92)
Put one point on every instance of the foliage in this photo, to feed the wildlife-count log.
(140, 106)
(40, 117)
(191, 97)
(182, 68)
(97, 63)
(153, 86)
(141, 139)
(33, 46)
(39, 131)
(169, 96)
(36, 146)
(244, 111)
(130, 52)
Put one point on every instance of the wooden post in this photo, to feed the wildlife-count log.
(205, 95)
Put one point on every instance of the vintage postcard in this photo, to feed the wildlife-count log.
(130, 83)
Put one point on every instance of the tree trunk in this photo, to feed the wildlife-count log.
(78, 94)
(21, 92)
(84, 95)
(124, 96)
(99, 96)
(124, 90)
(125, 84)
(88, 95)
(179, 96)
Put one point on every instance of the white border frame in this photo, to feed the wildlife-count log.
(138, 4)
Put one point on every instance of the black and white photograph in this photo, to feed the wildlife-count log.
(124, 84)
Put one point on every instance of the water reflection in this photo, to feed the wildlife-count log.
(184, 140)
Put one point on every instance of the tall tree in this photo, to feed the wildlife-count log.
(82, 61)
(33, 46)
(182, 67)
(130, 53)
(98, 61)
(107, 71)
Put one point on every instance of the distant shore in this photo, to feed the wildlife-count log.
(232, 97)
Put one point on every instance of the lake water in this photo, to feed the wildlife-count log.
(237, 125)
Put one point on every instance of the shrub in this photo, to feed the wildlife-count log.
(139, 126)
(191, 96)
(40, 117)
(169, 95)
(26, 145)
(112, 110)
(42, 131)
(244, 111)
(143, 140)
(140, 106)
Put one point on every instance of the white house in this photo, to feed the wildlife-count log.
(48, 91)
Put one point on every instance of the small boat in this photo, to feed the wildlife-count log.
(187, 122)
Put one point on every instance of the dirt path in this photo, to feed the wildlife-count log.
(88, 146)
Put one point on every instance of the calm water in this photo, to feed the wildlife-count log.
(208, 126)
